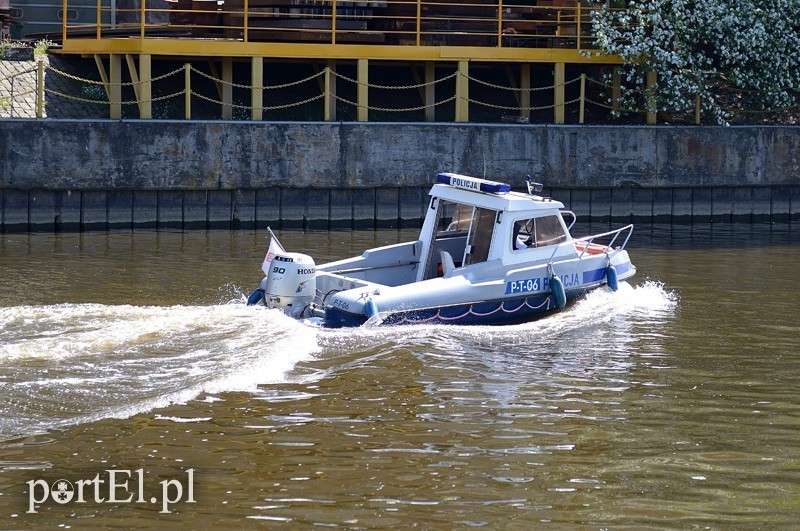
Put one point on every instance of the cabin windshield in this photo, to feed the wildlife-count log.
(537, 232)
(463, 231)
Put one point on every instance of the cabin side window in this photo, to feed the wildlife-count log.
(464, 232)
(537, 232)
(480, 237)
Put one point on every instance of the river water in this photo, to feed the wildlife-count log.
(672, 403)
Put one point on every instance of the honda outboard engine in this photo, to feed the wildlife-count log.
(291, 283)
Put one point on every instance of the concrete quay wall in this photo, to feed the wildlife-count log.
(99, 175)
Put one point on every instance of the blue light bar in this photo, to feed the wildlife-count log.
(473, 183)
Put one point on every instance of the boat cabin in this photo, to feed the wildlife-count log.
(471, 221)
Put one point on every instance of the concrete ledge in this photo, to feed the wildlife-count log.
(197, 155)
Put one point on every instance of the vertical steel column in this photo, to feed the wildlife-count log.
(145, 91)
(697, 108)
(419, 19)
(652, 78)
(246, 16)
(115, 86)
(227, 88)
(40, 89)
(430, 91)
(257, 90)
(64, 22)
(500, 23)
(363, 90)
(525, 93)
(333, 22)
(98, 33)
(462, 92)
(187, 95)
(558, 97)
(330, 92)
(142, 15)
(583, 99)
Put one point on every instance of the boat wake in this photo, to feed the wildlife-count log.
(75, 363)
(71, 364)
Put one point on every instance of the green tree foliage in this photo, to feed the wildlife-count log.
(711, 48)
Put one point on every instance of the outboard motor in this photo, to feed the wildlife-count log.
(291, 283)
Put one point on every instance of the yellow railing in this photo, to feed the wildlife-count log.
(26, 98)
(494, 23)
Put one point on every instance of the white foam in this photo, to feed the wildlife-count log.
(75, 363)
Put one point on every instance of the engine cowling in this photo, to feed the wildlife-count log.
(291, 282)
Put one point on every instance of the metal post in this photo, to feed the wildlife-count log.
(40, 89)
(146, 89)
(363, 90)
(326, 99)
(134, 79)
(525, 93)
(63, 21)
(583, 98)
(141, 18)
(99, 19)
(333, 22)
(500, 24)
(246, 15)
(115, 86)
(697, 109)
(430, 91)
(419, 18)
(227, 88)
(330, 91)
(578, 30)
(462, 92)
(257, 90)
(558, 97)
(651, 100)
(187, 95)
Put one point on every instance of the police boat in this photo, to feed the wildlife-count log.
(485, 256)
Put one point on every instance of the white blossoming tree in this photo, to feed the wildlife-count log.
(712, 48)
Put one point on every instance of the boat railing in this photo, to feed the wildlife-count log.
(371, 267)
(572, 214)
(588, 241)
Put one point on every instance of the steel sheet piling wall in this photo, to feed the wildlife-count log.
(99, 175)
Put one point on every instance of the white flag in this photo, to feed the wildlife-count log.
(275, 247)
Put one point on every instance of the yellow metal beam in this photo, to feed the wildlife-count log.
(227, 88)
(39, 88)
(430, 91)
(115, 86)
(145, 89)
(134, 79)
(558, 97)
(257, 92)
(187, 95)
(101, 69)
(462, 92)
(525, 94)
(282, 50)
(362, 114)
(330, 92)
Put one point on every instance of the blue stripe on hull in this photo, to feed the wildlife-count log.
(488, 313)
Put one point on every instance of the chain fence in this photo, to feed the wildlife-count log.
(200, 94)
